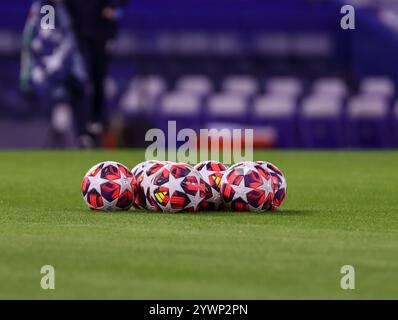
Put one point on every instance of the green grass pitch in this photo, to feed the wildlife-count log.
(341, 209)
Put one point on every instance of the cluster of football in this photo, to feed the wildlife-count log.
(179, 187)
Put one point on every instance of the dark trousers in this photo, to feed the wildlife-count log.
(96, 61)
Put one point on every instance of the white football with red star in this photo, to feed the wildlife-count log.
(140, 168)
(278, 183)
(246, 186)
(212, 173)
(109, 186)
(177, 187)
(143, 174)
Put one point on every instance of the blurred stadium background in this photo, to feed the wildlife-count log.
(284, 68)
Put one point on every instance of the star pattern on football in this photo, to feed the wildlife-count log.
(278, 182)
(108, 186)
(176, 187)
(212, 173)
(246, 188)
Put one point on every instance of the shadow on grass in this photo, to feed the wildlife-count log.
(220, 214)
(229, 214)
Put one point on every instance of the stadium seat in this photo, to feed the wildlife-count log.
(184, 108)
(152, 86)
(135, 103)
(141, 94)
(200, 85)
(246, 86)
(330, 86)
(274, 44)
(368, 121)
(180, 104)
(312, 44)
(227, 107)
(321, 121)
(276, 112)
(226, 43)
(289, 86)
(379, 86)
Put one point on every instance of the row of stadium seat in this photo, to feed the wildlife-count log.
(250, 86)
(285, 111)
(284, 114)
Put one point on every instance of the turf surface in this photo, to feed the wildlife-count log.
(342, 208)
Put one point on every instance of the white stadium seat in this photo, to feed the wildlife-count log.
(289, 86)
(196, 84)
(241, 85)
(330, 86)
(133, 101)
(151, 85)
(380, 86)
(273, 106)
(141, 94)
(229, 105)
(181, 104)
(318, 106)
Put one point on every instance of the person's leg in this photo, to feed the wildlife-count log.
(96, 60)
(83, 97)
(79, 101)
(100, 63)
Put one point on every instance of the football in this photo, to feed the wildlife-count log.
(177, 187)
(109, 186)
(140, 168)
(144, 176)
(138, 172)
(212, 173)
(278, 183)
(246, 186)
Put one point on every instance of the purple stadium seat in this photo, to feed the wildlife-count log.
(330, 86)
(184, 108)
(277, 114)
(378, 86)
(288, 86)
(321, 121)
(227, 107)
(141, 94)
(135, 103)
(275, 44)
(246, 86)
(196, 84)
(152, 85)
(368, 121)
(313, 44)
